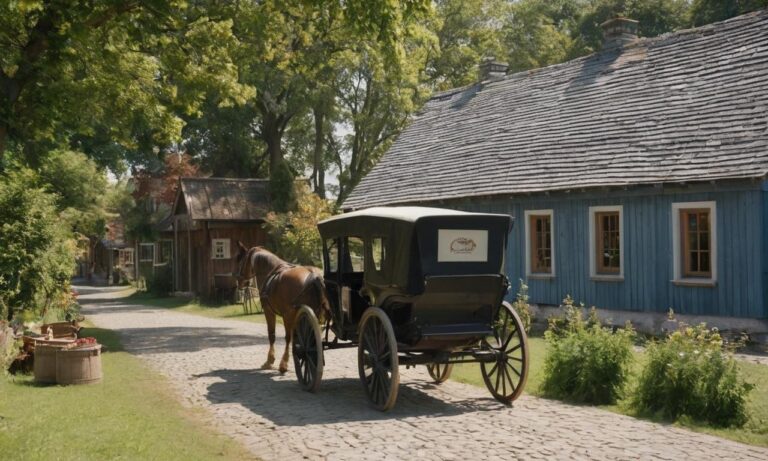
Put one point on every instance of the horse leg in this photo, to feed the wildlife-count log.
(288, 320)
(270, 316)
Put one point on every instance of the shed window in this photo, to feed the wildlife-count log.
(146, 252)
(378, 252)
(694, 237)
(125, 257)
(695, 228)
(164, 252)
(540, 255)
(608, 242)
(220, 248)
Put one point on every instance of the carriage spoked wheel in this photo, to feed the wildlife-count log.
(440, 372)
(377, 359)
(308, 349)
(506, 376)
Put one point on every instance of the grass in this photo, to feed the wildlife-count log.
(130, 415)
(755, 432)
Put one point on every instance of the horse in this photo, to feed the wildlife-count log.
(283, 287)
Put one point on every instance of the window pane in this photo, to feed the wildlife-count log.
(704, 220)
(356, 253)
(704, 262)
(333, 255)
(378, 252)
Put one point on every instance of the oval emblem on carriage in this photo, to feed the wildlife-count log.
(463, 245)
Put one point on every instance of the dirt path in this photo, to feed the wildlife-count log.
(214, 364)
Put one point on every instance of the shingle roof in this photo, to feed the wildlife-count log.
(224, 199)
(685, 106)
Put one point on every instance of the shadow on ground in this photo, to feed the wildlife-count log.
(162, 340)
(267, 394)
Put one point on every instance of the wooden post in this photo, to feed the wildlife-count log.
(189, 252)
(175, 256)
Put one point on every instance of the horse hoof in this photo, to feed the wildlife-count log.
(283, 370)
(266, 366)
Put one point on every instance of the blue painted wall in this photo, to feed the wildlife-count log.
(742, 233)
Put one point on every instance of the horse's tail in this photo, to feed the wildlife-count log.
(324, 306)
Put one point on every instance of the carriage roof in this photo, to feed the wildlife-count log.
(413, 238)
(367, 221)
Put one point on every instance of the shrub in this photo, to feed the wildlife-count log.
(522, 307)
(585, 361)
(161, 282)
(689, 374)
(9, 347)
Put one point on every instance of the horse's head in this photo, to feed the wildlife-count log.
(244, 265)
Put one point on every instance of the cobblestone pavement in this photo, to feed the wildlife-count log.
(214, 364)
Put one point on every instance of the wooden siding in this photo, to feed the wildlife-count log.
(742, 284)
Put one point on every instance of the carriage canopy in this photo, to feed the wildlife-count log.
(402, 245)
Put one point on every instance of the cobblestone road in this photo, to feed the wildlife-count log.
(214, 364)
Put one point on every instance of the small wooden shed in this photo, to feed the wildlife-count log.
(210, 215)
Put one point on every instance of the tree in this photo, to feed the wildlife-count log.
(709, 11)
(537, 33)
(467, 31)
(106, 71)
(38, 253)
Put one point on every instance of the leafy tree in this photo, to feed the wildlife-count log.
(537, 33)
(709, 11)
(110, 72)
(467, 31)
(37, 258)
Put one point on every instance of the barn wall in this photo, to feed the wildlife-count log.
(742, 280)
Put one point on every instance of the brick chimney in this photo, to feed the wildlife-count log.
(491, 69)
(618, 32)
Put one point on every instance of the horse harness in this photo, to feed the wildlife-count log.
(269, 282)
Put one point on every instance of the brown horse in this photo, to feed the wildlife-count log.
(283, 288)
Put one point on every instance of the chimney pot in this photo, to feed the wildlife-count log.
(491, 69)
(618, 32)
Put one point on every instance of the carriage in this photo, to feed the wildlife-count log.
(415, 286)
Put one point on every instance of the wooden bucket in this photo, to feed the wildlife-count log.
(79, 365)
(45, 362)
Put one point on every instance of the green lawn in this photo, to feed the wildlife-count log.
(130, 415)
(755, 432)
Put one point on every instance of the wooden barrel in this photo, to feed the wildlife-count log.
(79, 366)
(45, 362)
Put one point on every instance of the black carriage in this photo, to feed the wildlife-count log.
(415, 286)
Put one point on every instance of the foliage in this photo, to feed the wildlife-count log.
(37, 257)
(293, 235)
(709, 11)
(522, 307)
(537, 33)
(587, 362)
(690, 375)
(9, 347)
(282, 189)
(160, 283)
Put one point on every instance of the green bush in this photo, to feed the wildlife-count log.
(522, 307)
(161, 282)
(585, 361)
(9, 347)
(690, 375)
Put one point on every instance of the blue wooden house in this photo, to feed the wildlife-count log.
(637, 175)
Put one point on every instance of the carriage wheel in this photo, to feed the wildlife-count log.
(308, 349)
(506, 376)
(377, 359)
(440, 372)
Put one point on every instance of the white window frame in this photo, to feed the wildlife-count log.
(128, 257)
(528, 273)
(158, 249)
(227, 244)
(594, 275)
(677, 250)
(151, 245)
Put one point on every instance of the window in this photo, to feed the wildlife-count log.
(333, 256)
(163, 252)
(540, 254)
(125, 257)
(355, 250)
(694, 240)
(146, 252)
(220, 248)
(378, 251)
(606, 242)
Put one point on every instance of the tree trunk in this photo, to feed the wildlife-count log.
(273, 136)
(318, 166)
